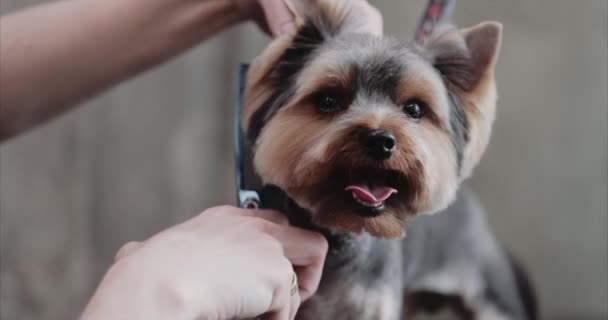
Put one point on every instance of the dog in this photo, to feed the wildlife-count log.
(358, 135)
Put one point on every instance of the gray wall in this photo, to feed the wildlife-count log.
(157, 150)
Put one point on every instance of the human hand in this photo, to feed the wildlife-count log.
(225, 263)
(276, 16)
(273, 16)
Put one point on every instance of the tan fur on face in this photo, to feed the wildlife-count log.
(308, 153)
(481, 113)
(256, 89)
(305, 143)
(482, 44)
(482, 100)
(423, 84)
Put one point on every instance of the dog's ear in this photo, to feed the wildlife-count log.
(316, 21)
(468, 56)
(272, 74)
(466, 60)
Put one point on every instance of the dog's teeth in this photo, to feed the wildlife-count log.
(367, 204)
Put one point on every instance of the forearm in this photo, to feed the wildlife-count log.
(54, 56)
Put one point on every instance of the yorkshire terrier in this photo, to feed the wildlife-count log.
(357, 135)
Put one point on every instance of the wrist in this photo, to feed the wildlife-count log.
(127, 293)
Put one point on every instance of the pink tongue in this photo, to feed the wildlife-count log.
(372, 195)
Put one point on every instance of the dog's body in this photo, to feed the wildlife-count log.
(356, 134)
(448, 262)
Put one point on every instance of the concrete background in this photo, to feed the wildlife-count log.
(157, 150)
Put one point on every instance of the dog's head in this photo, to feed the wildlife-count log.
(365, 130)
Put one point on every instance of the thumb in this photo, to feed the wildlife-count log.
(127, 249)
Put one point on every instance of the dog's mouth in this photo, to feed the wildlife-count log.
(357, 199)
(369, 190)
(369, 195)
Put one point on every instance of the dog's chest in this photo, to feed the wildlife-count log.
(356, 302)
(367, 288)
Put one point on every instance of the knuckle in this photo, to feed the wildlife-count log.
(128, 245)
(287, 273)
(223, 209)
(310, 289)
(176, 298)
(282, 271)
(375, 11)
(295, 306)
(215, 213)
(210, 212)
(279, 217)
(125, 249)
(262, 225)
(266, 243)
(281, 285)
(275, 248)
(320, 243)
(320, 239)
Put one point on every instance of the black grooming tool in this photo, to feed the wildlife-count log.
(246, 180)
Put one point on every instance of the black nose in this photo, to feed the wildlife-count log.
(378, 144)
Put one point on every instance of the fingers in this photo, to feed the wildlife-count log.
(283, 277)
(306, 250)
(371, 18)
(286, 302)
(223, 211)
(295, 298)
(280, 19)
(127, 249)
(288, 312)
(270, 215)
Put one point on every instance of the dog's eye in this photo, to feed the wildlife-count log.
(414, 109)
(328, 102)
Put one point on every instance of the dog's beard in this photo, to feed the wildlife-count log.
(361, 199)
(323, 167)
(353, 194)
(345, 191)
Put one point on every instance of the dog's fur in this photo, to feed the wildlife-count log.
(311, 95)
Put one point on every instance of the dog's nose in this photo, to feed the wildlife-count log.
(378, 144)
